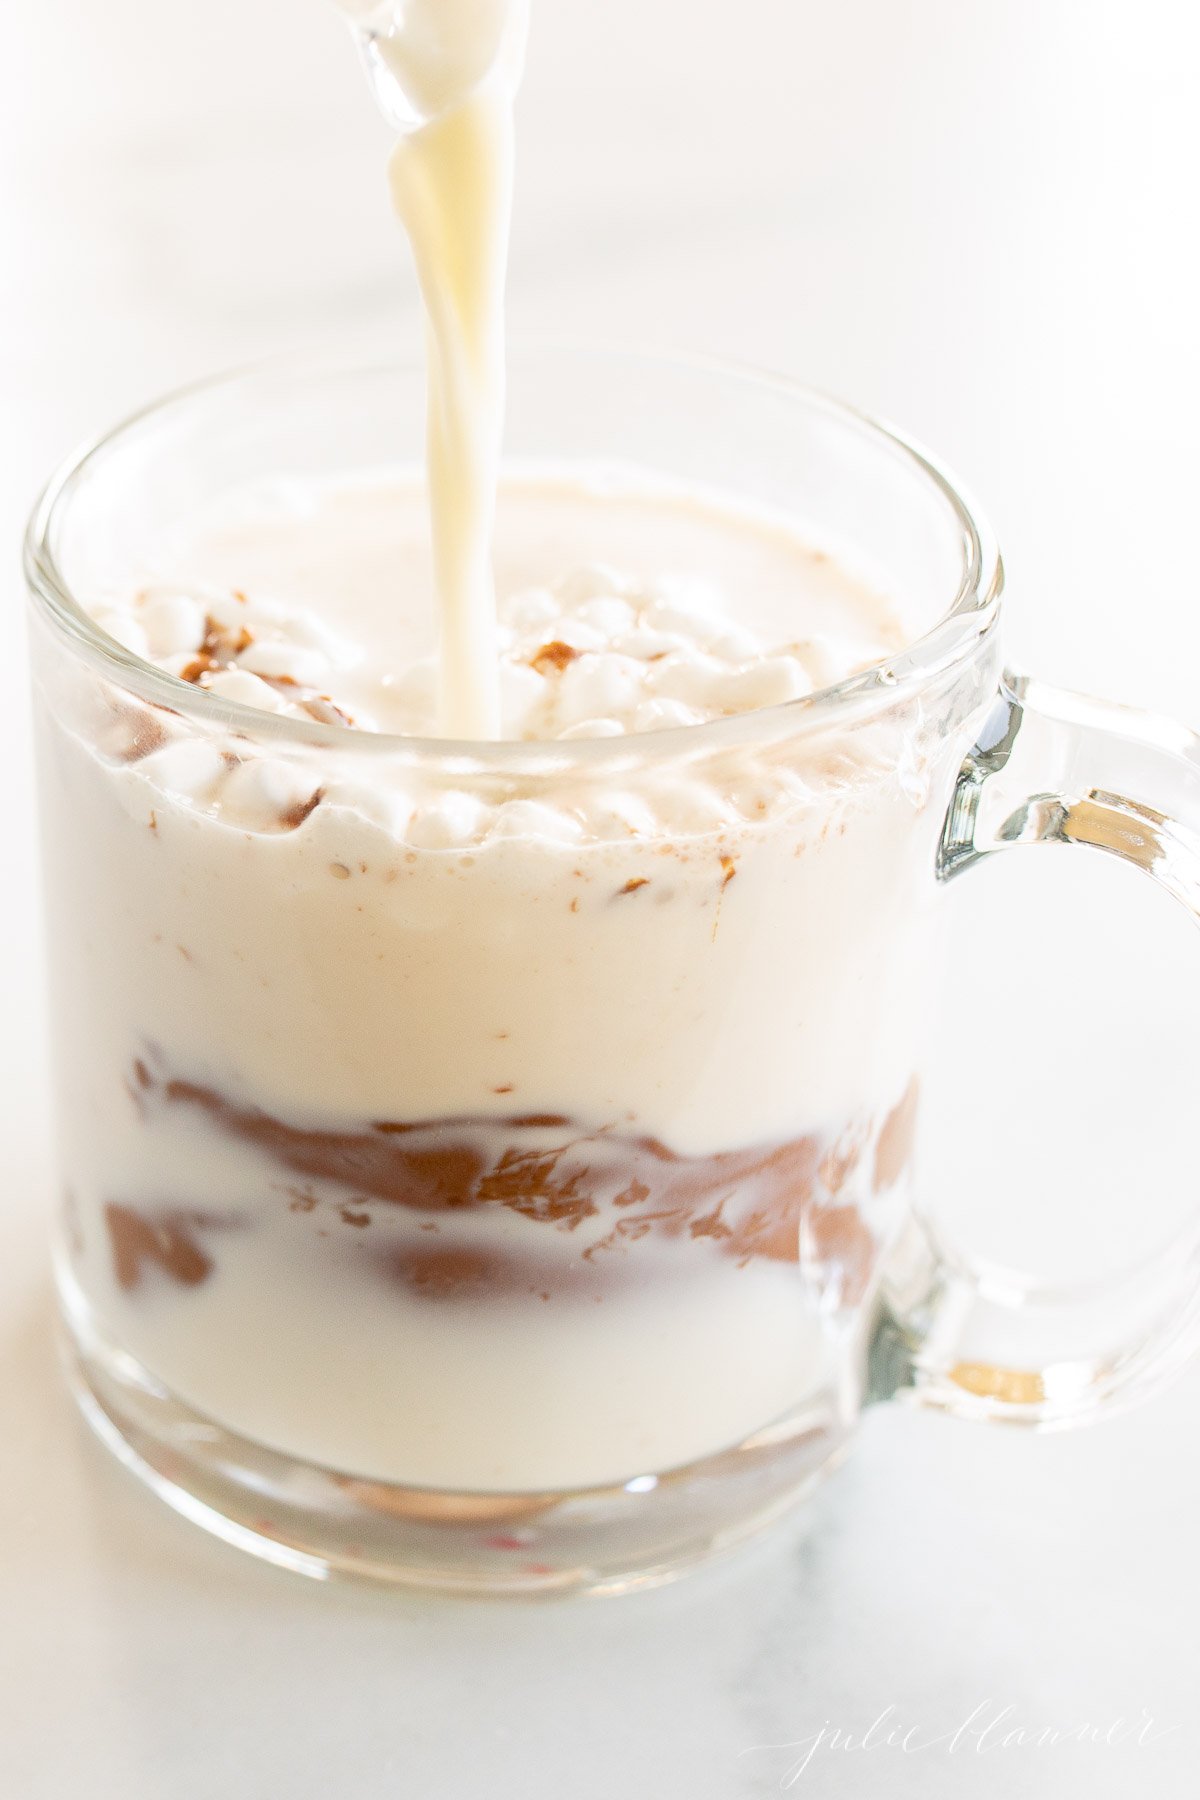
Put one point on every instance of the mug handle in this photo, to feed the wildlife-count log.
(1051, 767)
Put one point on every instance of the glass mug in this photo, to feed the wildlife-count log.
(530, 1205)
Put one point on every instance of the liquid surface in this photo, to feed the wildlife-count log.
(621, 609)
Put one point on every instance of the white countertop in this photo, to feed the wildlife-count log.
(979, 221)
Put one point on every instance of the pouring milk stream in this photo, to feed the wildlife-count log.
(445, 73)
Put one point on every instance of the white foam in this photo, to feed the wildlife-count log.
(599, 651)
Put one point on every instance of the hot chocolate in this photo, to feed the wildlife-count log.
(379, 1075)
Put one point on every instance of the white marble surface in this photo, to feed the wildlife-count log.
(980, 221)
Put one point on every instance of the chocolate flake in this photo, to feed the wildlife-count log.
(443, 1274)
(294, 816)
(166, 1241)
(324, 710)
(554, 655)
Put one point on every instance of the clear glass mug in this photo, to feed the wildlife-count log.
(520, 1205)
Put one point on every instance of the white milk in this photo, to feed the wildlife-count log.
(447, 71)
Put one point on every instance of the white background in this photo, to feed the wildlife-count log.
(979, 220)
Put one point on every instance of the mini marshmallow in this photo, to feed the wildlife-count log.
(390, 808)
(226, 610)
(608, 615)
(189, 769)
(621, 815)
(453, 819)
(688, 605)
(735, 645)
(262, 792)
(246, 689)
(534, 819)
(528, 611)
(522, 692)
(263, 611)
(687, 675)
(597, 687)
(647, 644)
(277, 657)
(690, 807)
(173, 623)
(664, 714)
(592, 728)
(176, 664)
(126, 630)
(831, 659)
(314, 634)
(575, 632)
(767, 683)
(590, 582)
(775, 791)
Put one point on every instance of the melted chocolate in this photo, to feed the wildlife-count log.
(749, 1203)
(167, 1242)
(436, 1272)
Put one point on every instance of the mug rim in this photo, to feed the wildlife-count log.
(950, 642)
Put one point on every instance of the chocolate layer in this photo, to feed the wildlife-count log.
(799, 1200)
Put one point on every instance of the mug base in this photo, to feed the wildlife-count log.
(324, 1523)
